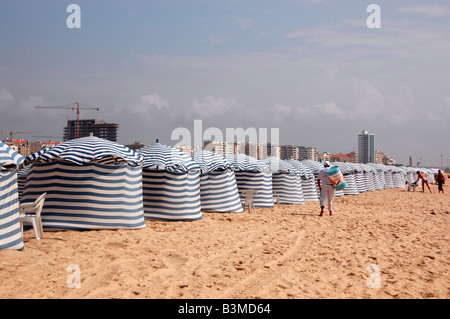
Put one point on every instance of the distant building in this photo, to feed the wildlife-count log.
(289, 152)
(353, 157)
(340, 157)
(99, 128)
(366, 147)
(307, 153)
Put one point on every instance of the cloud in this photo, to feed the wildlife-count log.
(429, 10)
(245, 23)
(154, 100)
(5, 95)
(211, 106)
(330, 108)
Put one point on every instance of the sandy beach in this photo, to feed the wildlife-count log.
(284, 252)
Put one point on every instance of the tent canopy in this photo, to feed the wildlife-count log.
(210, 161)
(91, 149)
(166, 158)
(9, 158)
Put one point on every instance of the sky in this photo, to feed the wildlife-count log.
(316, 70)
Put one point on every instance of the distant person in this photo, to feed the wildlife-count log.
(440, 179)
(424, 178)
(326, 189)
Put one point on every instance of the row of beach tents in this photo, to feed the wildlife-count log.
(92, 183)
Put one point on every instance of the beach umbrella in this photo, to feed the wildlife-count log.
(253, 174)
(10, 233)
(348, 172)
(170, 183)
(286, 181)
(218, 188)
(309, 186)
(91, 183)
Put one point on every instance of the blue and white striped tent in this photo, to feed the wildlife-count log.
(170, 183)
(369, 177)
(286, 181)
(388, 176)
(348, 172)
(359, 177)
(380, 182)
(218, 188)
(308, 181)
(252, 173)
(10, 234)
(91, 183)
(399, 177)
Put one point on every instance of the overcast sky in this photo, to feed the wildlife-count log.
(312, 68)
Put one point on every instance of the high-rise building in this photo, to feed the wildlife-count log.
(99, 128)
(366, 147)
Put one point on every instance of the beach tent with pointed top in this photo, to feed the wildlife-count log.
(388, 176)
(398, 177)
(10, 234)
(218, 188)
(369, 177)
(359, 177)
(348, 172)
(286, 181)
(308, 181)
(91, 183)
(170, 183)
(380, 182)
(252, 173)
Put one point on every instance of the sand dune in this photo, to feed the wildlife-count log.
(283, 252)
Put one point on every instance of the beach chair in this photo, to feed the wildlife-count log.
(31, 212)
(248, 199)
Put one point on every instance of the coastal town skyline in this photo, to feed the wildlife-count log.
(319, 71)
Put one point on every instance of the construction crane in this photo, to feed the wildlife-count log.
(77, 107)
(11, 133)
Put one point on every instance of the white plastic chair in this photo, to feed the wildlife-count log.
(31, 212)
(248, 199)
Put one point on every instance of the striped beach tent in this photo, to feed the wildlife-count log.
(398, 177)
(380, 182)
(218, 188)
(359, 177)
(369, 177)
(91, 183)
(308, 181)
(252, 173)
(348, 172)
(170, 183)
(286, 181)
(10, 234)
(388, 176)
(315, 168)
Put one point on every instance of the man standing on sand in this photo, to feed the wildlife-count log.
(326, 189)
(424, 179)
(440, 179)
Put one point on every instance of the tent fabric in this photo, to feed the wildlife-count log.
(91, 183)
(166, 158)
(9, 158)
(252, 173)
(307, 180)
(88, 196)
(369, 177)
(359, 177)
(170, 184)
(171, 196)
(286, 181)
(10, 234)
(91, 149)
(218, 188)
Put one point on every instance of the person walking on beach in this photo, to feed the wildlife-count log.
(424, 179)
(440, 179)
(326, 189)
